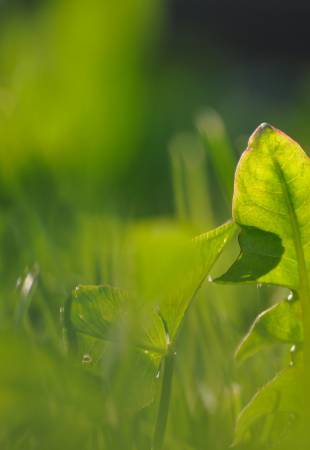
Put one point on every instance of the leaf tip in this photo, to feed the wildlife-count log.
(263, 126)
(260, 130)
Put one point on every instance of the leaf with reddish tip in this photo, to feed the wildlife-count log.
(271, 205)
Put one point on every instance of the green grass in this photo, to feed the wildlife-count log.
(87, 394)
(85, 200)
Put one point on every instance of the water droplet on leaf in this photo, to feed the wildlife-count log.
(290, 296)
(87, 359)
(62, 313)
(293, 351)
(27, 284)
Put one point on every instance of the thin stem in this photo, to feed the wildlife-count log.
(163, 409)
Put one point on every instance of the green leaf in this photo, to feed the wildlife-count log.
(280, 323)
(99, 311)
(276, 408)
(128, 375)
(95, 308)
(271, 205)
(101, 316)
(207, 248)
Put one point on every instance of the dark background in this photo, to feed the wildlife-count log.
(247, 60)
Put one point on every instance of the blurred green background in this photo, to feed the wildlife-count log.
(120, 124)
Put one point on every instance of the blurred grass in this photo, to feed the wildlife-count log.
(81, 152)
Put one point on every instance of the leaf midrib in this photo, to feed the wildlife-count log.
(304, 285)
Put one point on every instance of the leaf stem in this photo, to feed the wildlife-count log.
(163, 408)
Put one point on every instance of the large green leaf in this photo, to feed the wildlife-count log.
(271, 205)
(280, 323)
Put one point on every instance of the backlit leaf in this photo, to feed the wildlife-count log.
(271, 205)
(97, 311)
(280, 323)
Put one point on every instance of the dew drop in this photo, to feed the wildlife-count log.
(210, 279)
(27, 284)
(293, 350)
(290, 296)
(87, 359)
(158, 374)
